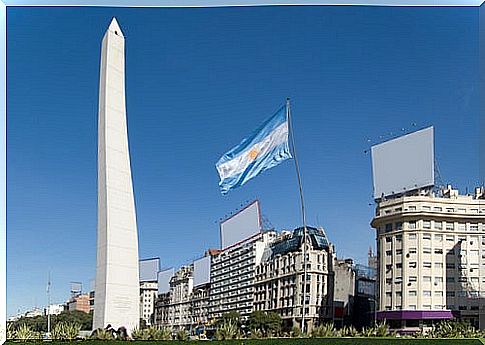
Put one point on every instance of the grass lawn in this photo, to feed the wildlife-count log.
(311, 341)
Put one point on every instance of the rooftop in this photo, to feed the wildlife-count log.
(293, 242)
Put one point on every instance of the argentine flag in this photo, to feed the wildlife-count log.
(265, 148)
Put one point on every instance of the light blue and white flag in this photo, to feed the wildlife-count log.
(265, 148)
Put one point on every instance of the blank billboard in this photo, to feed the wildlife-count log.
(202, 271)
(149, 269)
(164, 280)
(403, 164)
(241, 226)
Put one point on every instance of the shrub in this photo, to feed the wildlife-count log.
(10, 331)
(65, 331)
(348, 331)
(453, 329)
(295, 332)
(102, 334)
(182, 335)
(381, 329)
(323, 331)
(25, 333)
(141, 334)
(256, 334)
(163, 333)
(228, 330)
(367, 332)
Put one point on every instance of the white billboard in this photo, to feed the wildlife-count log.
(149, 269)
(403, 164)
(202, 271)
(242, 225)
(164, 280)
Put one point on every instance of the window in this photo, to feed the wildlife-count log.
(438, 280)
(412, 236)
(461, 226)
(412, 208)
(438, 265)
(450, 226)
(426, 236)
(450, 238)
(388, 239)
(388, 227)
(437, 209)
(473, 227)
(413, 279)
(412, 264)
(412, 293)
(427, 264)
(398, 251)
(426, 306)
(438, 251)
(450, 209)
(427, 279)
(412, 250)
(388, 252)
(438, 237)
(412, 225)
(426, 224)
(427, 293)
(426, 250)
(398, 238)
(412, 307)
(399, 226)
(426, 208)
(438, 225)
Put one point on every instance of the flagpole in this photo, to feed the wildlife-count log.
(297, 167)
(49, 305)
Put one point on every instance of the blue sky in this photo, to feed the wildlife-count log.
(198, 81)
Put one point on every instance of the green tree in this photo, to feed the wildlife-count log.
(233, 317)
(257, 321)
(268, 323)
(273, 323)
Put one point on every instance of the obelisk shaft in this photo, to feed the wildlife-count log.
(117, 281)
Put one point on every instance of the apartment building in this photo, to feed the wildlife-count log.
(148, 295)
(431, 257)
(233, 275)
(279, 279)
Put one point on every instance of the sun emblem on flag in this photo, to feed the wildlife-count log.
(253, 154)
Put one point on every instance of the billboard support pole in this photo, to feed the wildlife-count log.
(297, 167)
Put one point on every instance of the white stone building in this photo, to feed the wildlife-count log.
(431, 257)
(148, 295)
(280, 278)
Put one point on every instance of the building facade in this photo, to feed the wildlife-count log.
(79, 302)
(431, 250)
(148, 295)
(280, 280)
(233, 276)
(199, 305)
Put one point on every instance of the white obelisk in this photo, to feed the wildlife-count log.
(117, 292)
